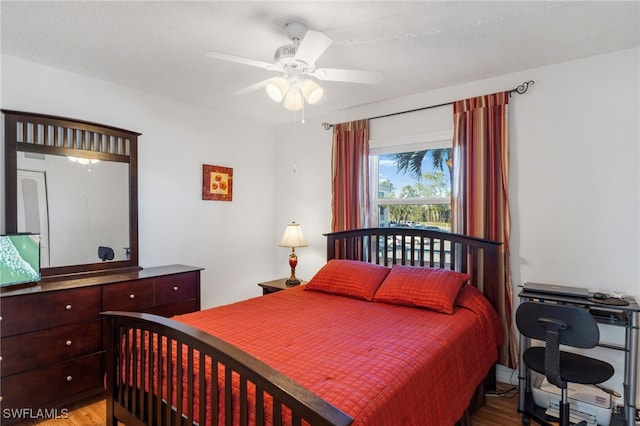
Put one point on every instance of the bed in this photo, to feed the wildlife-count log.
(397, 328)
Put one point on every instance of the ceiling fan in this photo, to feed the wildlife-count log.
(297, 61)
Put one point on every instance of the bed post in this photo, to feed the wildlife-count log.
(110, 370)
(331, 246)
(491, 274)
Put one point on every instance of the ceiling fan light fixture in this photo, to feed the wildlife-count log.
(294, 100)
(277, 89)
(312, 91)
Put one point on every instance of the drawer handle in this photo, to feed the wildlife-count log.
(68, 307)
(132, 296)
(175, 288)
(68, 343)
(69, 378)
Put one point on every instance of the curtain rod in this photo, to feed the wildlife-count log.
(519, 90)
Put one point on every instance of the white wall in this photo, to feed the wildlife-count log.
(233, 241)
(574, 184)
(302, 182)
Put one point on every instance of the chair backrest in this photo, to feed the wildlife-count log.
(576, 327)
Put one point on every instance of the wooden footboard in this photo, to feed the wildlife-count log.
(139, 392)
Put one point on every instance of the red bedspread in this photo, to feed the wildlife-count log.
(382, 364)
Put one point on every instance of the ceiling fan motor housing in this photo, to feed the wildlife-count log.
(286, 54)
(286, 57)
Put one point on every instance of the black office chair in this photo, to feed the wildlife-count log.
(561, 325)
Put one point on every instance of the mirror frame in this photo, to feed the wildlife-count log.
(48, 134)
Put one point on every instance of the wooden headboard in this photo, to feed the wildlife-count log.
(422, 247)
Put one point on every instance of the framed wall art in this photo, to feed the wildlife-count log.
(217, 183)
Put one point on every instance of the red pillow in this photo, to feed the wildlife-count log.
(350, 278)
(431, 288)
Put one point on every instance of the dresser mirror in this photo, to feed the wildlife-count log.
(75, 183)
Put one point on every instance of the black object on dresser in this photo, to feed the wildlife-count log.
(52, 338)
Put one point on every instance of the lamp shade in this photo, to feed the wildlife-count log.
(311, 90)
(277, 89)
(294, 100)
(293, 236)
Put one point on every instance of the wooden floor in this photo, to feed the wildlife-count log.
(499, 411)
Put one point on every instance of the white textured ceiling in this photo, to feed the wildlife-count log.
(160, 47)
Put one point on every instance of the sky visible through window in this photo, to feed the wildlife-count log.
(387, 169)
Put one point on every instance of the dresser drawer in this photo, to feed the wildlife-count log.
(176, 288)
(67, 306)
(17, 314)
(40, 387)
(128, 296)
(26, 351)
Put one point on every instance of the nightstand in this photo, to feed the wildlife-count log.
(269, 287)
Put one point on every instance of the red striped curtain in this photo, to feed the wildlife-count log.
(479, 202)
(350, 176)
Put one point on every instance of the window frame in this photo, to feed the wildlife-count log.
(438, 140)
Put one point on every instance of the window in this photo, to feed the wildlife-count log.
(411, 185)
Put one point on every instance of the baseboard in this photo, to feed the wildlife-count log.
(506, 375)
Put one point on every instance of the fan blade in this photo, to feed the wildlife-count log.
(312, 46)
(241, 60)
(257, 86)
(349, 76)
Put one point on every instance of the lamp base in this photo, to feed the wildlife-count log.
(292, 282)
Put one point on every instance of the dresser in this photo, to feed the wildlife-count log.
(52, 337)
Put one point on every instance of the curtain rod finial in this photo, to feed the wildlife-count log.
(327, 126)
(523, 87)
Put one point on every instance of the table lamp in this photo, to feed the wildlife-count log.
(293, 238)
